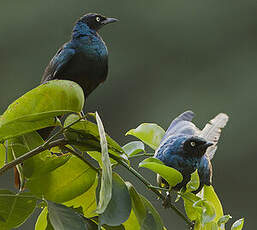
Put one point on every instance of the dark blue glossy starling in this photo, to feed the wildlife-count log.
(84, 59)
(187, 148)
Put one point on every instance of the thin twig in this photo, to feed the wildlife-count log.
(62, 129)
(80, 156)
(47, 145)
(142, 155)
(19, 196)
(160, 188)
(32, 153)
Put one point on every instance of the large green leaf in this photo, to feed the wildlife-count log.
(210, 195)
(146, 215)
(40, 164)
(238, 225)
(119, 207)
(86, 132)
(171, 175)
(87, 201)
(15, 208)
(64, 218)
(105, 193)
(64, 183)
(38, 108)
(151, 134)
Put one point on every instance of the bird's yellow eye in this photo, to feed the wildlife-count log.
(98, 19)
(192, 144)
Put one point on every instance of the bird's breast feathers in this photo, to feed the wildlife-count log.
(92, 46)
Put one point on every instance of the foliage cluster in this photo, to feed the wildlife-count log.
(70, 176)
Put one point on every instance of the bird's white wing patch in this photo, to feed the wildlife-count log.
(212, 131)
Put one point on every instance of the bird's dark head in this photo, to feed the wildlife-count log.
(96, 21)
(196, 146)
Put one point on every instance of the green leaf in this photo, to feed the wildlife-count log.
(223, 220)
(2, 155)
(98, 157)
(192, 212)
(132, 223)
(208, 211)
(171, 175)
(87, 201)
(49, 224)
(87, 134)
(238, 225)
(210, 195)
(147, 216)
(194, 183)
(38, 108)
(107, 227)
(105, 194)
(211, 226)
(119, 207)
(151, 134)
(40, 164)
(42, 223)
(64, 183)
(64, 218)
(90, 225)
(15, 208)
(133, 148)
(137, 203)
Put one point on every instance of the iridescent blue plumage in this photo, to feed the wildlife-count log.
(84, 59)
(183, 150)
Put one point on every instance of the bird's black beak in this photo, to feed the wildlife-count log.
(205, 145)
(109, 20)
(208, 144)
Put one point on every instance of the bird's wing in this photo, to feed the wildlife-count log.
(182, 125)
(61, 58)
(211, 132)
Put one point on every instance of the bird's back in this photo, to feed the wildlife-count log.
(83, 60)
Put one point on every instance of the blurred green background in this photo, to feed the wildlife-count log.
(165, 57)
